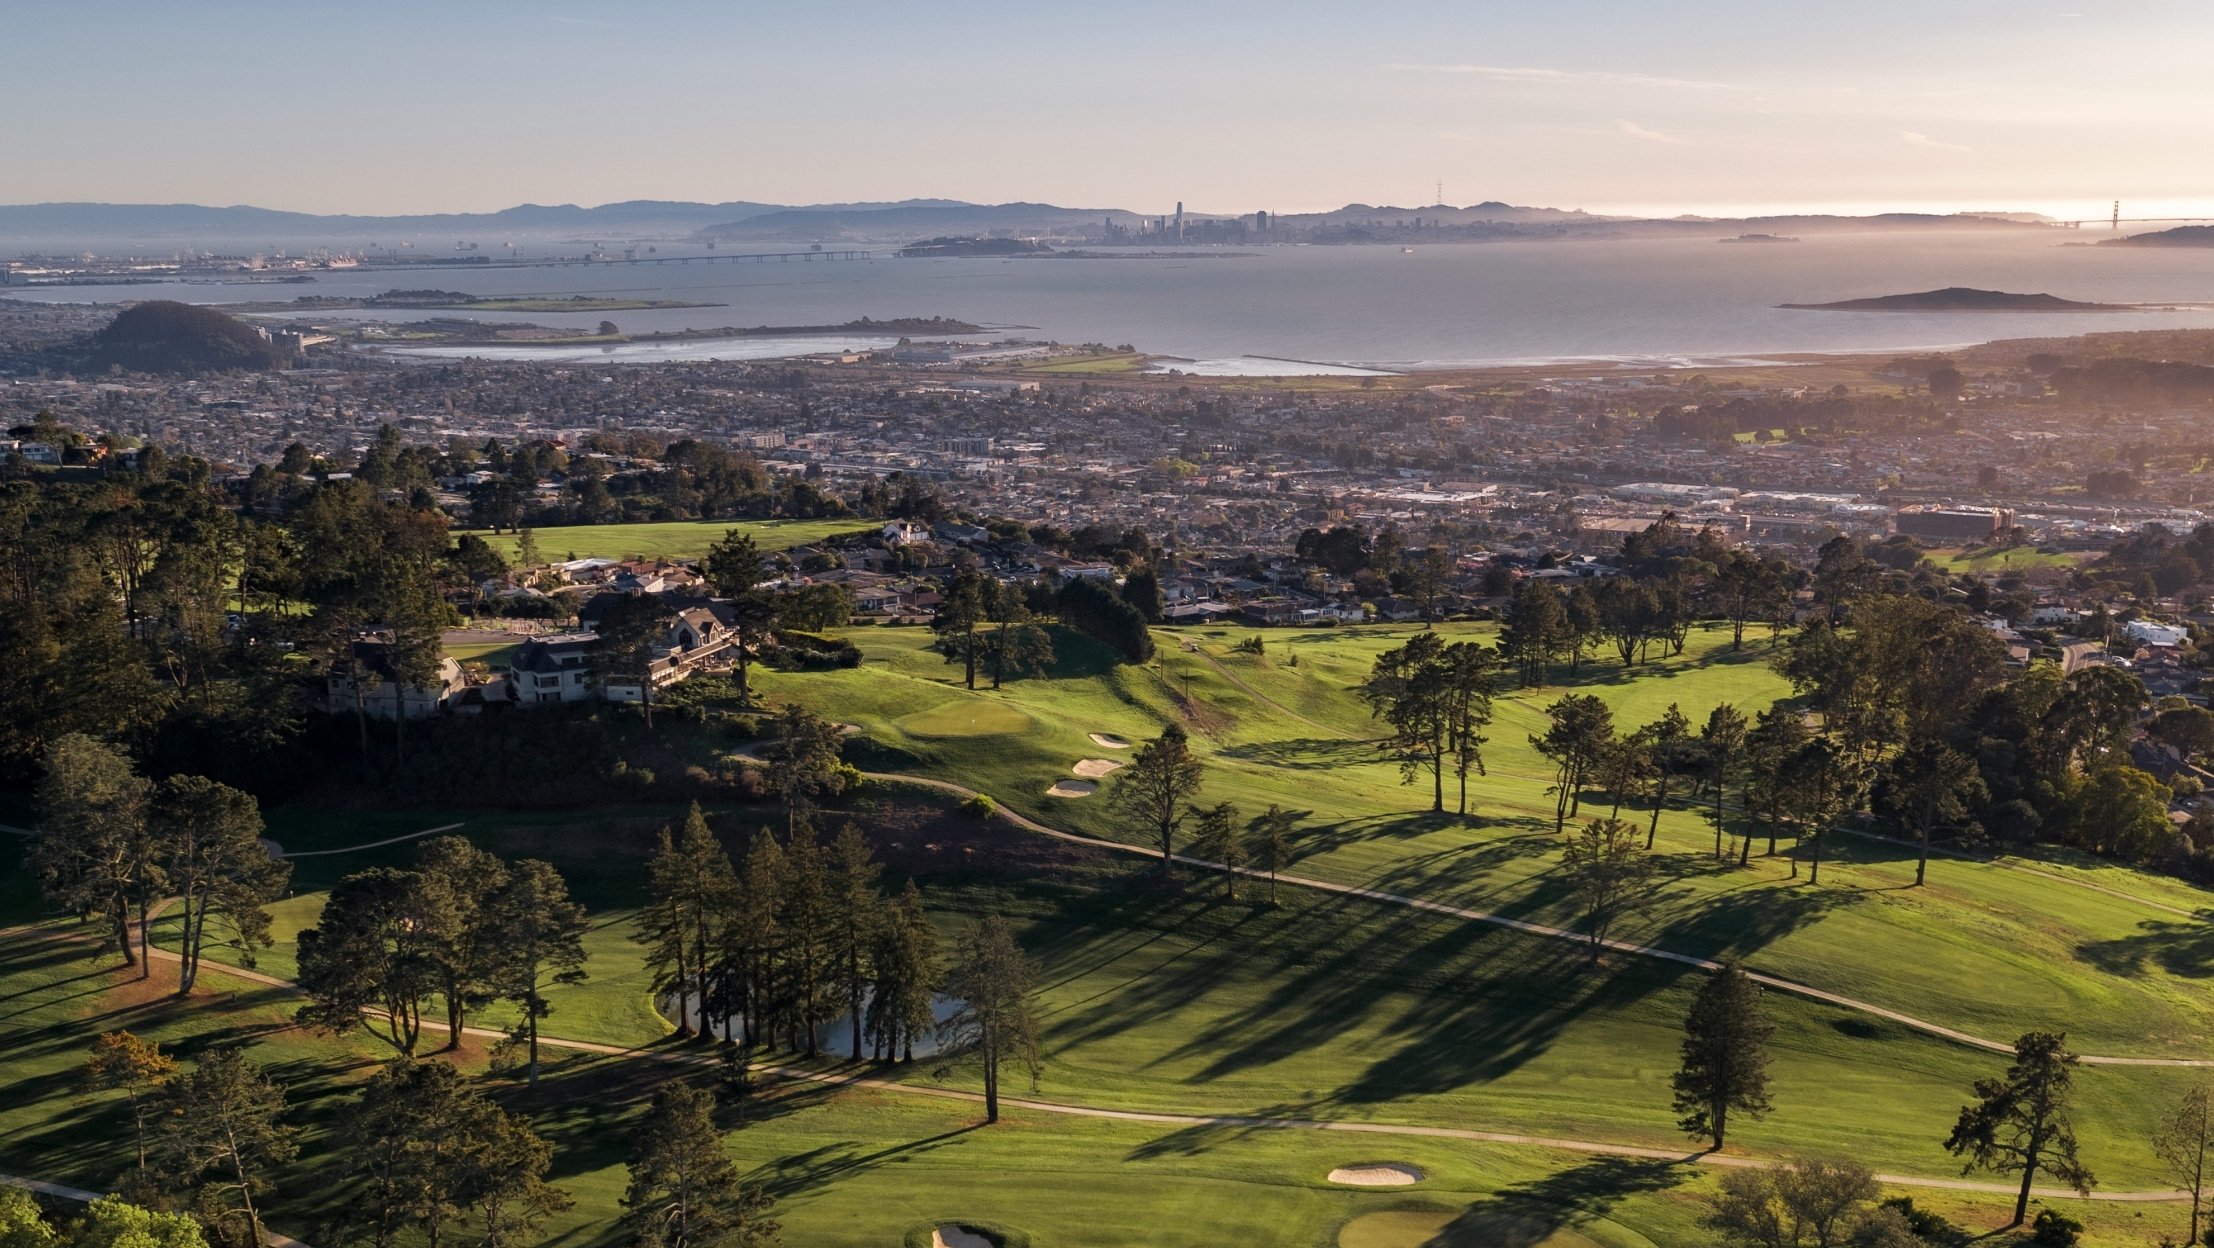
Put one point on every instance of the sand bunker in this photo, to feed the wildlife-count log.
(1382, 1174)
(1109, 741)
(1094, 768)
(951, 1236)
(1072, 788)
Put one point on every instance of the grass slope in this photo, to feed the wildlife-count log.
(1984, 948)
(667, 539)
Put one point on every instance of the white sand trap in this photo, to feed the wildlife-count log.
(1387, 1174)
(1109, 741)
(950, 1236)
(1072, 788)
(1094, 768)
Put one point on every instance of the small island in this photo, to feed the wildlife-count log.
(1759, 238)
(1961, 299)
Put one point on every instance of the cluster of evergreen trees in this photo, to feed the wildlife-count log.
(114, 844)
(427, 1153)
(769, 951)
(1545, 628)
(461, 926)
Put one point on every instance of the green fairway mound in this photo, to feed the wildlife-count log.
(1073, 788)
(967, 718)
(1377, 1174)
(1444, 1228)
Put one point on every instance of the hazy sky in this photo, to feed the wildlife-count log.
(1644, 105)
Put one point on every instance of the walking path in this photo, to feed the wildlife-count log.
(1780, 984)
(277, 851)
(1776, 982)
(1225, 1121)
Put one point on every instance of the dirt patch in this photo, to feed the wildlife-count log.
(1095, 768)
(1073, 788)
(953, 1236)
(1109, 741)
(1377, 1174)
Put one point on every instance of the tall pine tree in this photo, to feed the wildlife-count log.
(1725, 1056)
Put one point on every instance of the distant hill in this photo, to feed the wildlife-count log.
(1961, 299)
(2181, 236)
(164, 337)
(199, 223)
(242, 227)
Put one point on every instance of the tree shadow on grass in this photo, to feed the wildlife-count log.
(1305, 753)
(1740, 924)
(2184, 949)
(799, 1172)
(1529, 1214)
(1203, 1137)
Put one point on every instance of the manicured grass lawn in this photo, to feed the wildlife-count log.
(2011, 559)
(1993, 951)
(1176, 1000)
(1323, 1007)
(494, 654)
(1119, 362)
(850, 1167)
(669, 539)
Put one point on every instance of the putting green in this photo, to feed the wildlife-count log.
(967, 718)
(1444, 1228)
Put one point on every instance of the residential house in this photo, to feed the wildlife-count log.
(381, 694)
(556, 668)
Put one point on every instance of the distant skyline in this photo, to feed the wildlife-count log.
(1719, 108)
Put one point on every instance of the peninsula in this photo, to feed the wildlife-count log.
(2180, 236)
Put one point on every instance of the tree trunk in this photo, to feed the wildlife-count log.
(854, 998)
(120, 913)
(2021, 1198)
(1660, 799)
(1814, 872)
(530, 1021)
(1922, 863)
(454, 1016)
(1721, 784)
(1437, 782)
(145, 939)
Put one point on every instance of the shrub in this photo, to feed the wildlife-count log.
(979, 807)
(798, 650)
(1092, 608)
(2054, 1229)
(1931, 1228)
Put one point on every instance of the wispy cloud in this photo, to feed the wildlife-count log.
(1564, 77)
(1637, 131)
(1918, 139)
